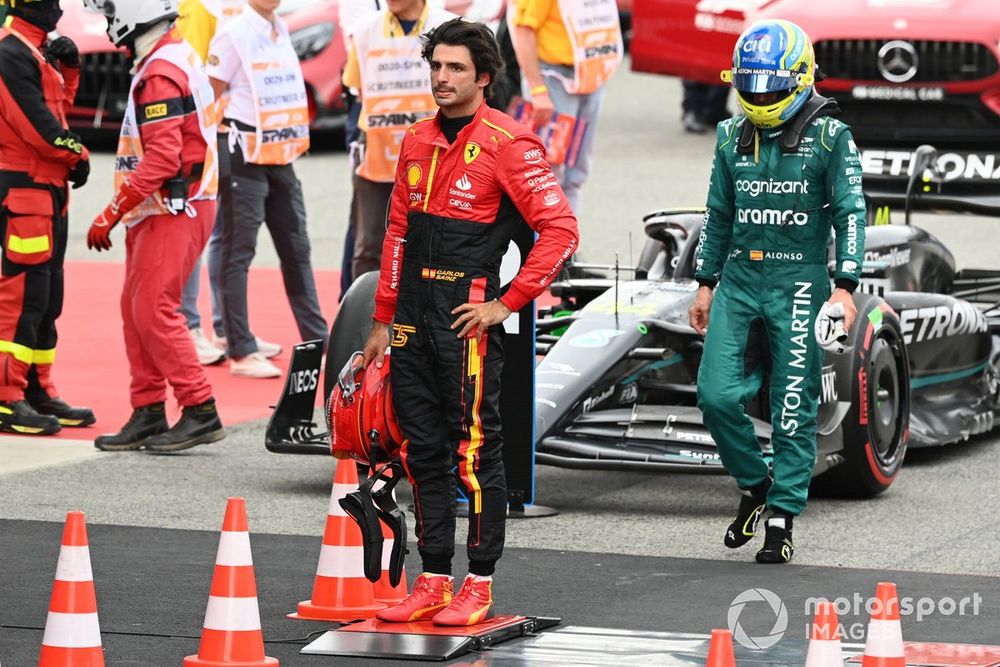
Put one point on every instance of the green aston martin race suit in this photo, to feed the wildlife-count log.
(764, 242)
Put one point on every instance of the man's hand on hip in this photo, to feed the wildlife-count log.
(698, 313)
(478, 317)
(375, 346)
(840, 295)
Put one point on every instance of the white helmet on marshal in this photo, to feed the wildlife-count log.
(128, 18)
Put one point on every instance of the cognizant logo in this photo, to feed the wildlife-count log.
(771, 216)
(772, 187)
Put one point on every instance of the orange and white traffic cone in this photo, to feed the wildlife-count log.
(720, 650)
(384, 591)
(232, 634)
(824, 638)
(884, 644)
(72, 632)
(340, 592)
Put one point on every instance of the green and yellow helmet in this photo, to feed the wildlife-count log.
(773, 72)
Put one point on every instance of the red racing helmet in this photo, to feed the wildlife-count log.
(359, 413)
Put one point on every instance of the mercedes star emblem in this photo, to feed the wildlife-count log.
(897, 61)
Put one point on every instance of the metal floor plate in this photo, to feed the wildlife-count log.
(423, 640)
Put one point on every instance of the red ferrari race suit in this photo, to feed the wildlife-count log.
(38, 155)
(161, 246)
(452, 214)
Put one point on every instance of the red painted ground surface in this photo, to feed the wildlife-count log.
(91, 368)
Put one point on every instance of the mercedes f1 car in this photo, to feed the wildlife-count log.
(615, 381)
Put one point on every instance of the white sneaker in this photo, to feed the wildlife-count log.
(254, 366)
(269, 350)
(208, 354)
(266, 348)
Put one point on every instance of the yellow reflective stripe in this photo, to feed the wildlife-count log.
(44, 356)
(29, 245)
(498, 129)
(430, 176)
(475, 428)
(19, 352)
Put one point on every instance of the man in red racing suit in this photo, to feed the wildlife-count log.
(465, 179)
(38, 154)
(169, 210)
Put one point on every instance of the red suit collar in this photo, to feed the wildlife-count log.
(30, 31)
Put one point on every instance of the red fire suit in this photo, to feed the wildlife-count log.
(37, 152)
(161, 250)
(451, 218)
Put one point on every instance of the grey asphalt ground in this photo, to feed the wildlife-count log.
(939, 516)
(152, 584)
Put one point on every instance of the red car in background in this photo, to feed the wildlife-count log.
(104, 71)
(905, 72)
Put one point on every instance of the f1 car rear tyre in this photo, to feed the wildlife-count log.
(876, 427)
(350, 328)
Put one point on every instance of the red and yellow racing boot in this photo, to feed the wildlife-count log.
(431, 593)
(472, 605)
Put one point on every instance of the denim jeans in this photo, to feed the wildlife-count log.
(189, 298)
(582, 107)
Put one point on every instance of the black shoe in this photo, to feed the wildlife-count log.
(744, 526)
(61, 410)
(145, 422)
(778, 546)
(19, 417)
(198, 425)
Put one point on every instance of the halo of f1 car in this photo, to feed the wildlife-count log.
(615, 381)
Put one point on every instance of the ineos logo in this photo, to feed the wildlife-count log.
(300, 382)
(897, 61)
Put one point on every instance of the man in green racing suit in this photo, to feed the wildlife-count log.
(782, 176)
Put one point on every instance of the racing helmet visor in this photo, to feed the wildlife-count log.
(760, 80)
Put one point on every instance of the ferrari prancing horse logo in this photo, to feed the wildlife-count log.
(471, 152)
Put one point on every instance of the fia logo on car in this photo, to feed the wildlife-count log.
(299, 382)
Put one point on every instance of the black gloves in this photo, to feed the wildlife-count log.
(64, 51)
(79, 174)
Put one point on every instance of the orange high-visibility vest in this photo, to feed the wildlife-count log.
(395, 87)
(183, 56)
(281, 105)
(596, 36)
